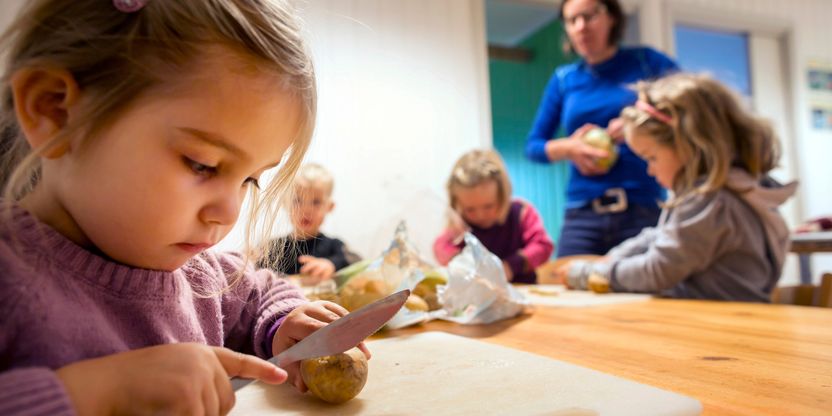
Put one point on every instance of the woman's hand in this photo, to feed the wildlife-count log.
(165, 379)
(301, 322)
(616, 129)
(574, 148)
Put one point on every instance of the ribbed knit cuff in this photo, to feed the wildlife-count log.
(33, 392)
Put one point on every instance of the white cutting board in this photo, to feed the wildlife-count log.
(559, 296)
(435, 373)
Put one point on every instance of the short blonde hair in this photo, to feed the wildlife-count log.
(115, 57)
(708, 128)
(315, 175)
(477, 167)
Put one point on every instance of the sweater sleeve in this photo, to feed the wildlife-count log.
(444, 248)
(689, 242)
(33, 392)
(546, 122)
(338, 256)
(253, 302)
(635, 245)
(537, 245)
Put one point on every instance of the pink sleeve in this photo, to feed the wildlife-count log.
(444, 248)
(538, 245)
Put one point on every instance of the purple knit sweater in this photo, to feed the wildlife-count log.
(60, 304)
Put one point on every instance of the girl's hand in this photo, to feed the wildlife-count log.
(507, 270)
(168, 379)
(583, 155)
(316, 267)
(456, 226)
(301, 322)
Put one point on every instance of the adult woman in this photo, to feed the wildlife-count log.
(605, 206)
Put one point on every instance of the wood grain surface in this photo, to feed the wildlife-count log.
(736, 358)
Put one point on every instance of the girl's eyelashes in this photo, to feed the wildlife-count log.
(252, 181)
(208, 171)
(199, 168)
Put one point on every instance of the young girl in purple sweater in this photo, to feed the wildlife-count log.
(132, 131)
(480, 192)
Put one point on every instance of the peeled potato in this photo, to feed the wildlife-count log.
(416, 303)
(362, 290)
(335, 378)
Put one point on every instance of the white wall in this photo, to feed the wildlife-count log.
(403, 90)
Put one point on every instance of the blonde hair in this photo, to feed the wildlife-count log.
(708, 128)
(315, 175)
(115, 57)
(477, 167)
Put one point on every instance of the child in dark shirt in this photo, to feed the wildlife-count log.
(306, 250)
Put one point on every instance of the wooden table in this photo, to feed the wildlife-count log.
(806, 244)
(735, 358)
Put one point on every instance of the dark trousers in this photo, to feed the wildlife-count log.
(587, 232)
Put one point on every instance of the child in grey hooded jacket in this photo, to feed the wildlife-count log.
(720, 236)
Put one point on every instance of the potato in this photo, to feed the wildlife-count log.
(335, 378)
(416, 303)
(598, 283)
(360, 291)
(599, 139)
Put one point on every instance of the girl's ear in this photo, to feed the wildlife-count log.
(331, 207)
(42, 101)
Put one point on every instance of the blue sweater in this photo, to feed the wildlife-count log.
(579, 93)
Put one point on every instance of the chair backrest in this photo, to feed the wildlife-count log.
(806, 295)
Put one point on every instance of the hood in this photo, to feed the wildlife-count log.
(765, 197)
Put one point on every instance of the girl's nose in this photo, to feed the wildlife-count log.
(222, 210)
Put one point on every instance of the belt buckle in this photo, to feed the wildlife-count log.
(619, 205)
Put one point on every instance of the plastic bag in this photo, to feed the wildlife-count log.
(399, 267)
(477, 291)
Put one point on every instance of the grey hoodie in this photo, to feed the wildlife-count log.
(726, 245)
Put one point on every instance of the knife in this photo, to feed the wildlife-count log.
(339, 335)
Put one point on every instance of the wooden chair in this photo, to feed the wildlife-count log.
(806, 295)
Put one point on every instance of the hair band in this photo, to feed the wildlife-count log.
(129, 6)
(653, 112)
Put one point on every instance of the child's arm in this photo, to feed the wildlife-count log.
(693, 238)
(635, 245)
(444, 247)
(253, 304)
(338, 257)
(538, 246)
(33, 391)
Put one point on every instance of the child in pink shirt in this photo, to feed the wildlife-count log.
(480, 193)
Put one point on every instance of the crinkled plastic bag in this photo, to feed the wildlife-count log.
(399, 267)
(477, 291)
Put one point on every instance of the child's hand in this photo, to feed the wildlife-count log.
(317, 267)
(301, 322)
(507, 270)
(170, 379)
(456, 227)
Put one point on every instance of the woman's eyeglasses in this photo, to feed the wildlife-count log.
(587, 17)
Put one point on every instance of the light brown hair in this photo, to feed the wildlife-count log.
(315, 175)
(708, 128)
(477, 167)
(115, 57)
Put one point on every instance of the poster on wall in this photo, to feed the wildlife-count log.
(819, 76)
